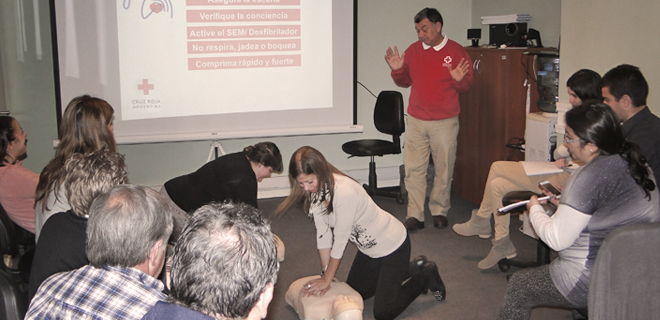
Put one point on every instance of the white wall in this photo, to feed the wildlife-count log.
(601, 34)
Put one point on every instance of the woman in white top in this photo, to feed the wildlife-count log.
(86, 126)
(507, 176)
(343, 211)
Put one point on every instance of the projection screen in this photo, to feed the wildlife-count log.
(210, 69)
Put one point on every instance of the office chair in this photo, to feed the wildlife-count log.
(542, 249)
(13, 284)
(13, 301)
(625, 278)
(8, 244)
(388, 118)
(17, 242)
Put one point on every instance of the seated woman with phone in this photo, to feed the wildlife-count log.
(613, 188)
(507, 176)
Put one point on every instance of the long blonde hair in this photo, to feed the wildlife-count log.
(307, 160)
(84, 128)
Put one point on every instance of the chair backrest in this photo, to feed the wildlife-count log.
(7, 234)
(388, 113)
(13, 302)
(625, 280)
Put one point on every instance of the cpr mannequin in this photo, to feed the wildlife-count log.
(345, 308)
(341, 302)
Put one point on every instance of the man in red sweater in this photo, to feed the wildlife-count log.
(437, 70)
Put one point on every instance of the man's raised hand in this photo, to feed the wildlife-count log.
(460, 71)
(393, 59)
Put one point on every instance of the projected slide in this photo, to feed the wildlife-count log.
(181, 70)
(204, 57)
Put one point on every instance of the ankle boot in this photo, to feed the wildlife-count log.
(502, 248)
(476, 226)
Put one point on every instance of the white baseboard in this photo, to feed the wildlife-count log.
(279, 186)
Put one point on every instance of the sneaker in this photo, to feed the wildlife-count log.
(434, 282)
(416, 266)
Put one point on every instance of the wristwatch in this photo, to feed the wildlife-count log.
(323, 270)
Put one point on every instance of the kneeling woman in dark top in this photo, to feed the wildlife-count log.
(230, 177)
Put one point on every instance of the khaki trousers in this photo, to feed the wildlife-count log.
(438, 139)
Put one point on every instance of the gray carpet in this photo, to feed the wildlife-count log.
(471, 293)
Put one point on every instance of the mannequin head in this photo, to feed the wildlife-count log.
(345, 308)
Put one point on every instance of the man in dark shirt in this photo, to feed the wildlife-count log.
(625, 90)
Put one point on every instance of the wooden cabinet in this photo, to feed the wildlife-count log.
(492, 113)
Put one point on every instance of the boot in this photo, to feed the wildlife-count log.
(502, 248)
(477, 226)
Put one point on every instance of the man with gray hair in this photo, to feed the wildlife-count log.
(224, 266)
(127, 234)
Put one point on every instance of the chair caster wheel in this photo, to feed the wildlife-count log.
(503, 266)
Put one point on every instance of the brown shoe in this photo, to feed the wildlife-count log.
(412, 224)
(440, 222)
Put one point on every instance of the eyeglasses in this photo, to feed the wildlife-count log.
(573, 140)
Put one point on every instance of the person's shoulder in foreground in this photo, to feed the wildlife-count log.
(96, 293)
(165, 310)
(127, 236)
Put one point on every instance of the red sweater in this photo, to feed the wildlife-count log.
(434, 94)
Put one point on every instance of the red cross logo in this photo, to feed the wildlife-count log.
(145, 87)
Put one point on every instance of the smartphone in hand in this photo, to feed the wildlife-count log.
(549, 187)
